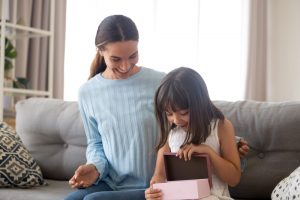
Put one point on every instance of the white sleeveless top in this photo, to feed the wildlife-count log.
(220, 188)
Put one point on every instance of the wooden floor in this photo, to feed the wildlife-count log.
(9, 116)
(10, 121)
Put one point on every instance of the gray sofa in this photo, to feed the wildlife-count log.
(53, 133)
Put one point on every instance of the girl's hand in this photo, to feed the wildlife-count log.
(157, 179)
(187, 151)
(153, 194)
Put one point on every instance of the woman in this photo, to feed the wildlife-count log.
(116, 106)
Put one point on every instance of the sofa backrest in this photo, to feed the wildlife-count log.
(273, 133)
(53, 133)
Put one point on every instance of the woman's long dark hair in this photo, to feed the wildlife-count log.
(184, 88)
(114, 28)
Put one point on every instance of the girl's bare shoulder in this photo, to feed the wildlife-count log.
(225, 128)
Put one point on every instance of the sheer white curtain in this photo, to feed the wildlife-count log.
(207, 35)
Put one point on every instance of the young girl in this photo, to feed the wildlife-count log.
(190, 123)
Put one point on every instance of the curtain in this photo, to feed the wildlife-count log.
(32, 60)
(59, 48)
(256, 81)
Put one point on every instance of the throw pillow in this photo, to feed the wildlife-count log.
(288, 188)
(17, 167)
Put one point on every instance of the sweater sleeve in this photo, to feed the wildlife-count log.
(94, 153)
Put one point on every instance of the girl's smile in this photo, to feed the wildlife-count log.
(180, 118)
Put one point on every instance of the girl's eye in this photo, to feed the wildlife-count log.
(168, 114)
(184, 113)
(115, 59)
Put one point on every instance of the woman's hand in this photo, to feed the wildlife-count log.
(243, 147)
(84, 176)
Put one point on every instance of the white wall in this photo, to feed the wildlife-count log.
(283, 50)
(207, 35)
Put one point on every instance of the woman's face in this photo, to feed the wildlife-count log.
(121, 59)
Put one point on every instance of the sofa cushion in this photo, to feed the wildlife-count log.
(17, 167)
(55, 190)
(53, 133)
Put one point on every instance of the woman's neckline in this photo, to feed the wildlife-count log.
(133, 76)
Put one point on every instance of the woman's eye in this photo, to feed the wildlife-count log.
(133, 56)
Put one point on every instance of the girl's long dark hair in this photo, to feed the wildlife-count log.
(184, 88)
(114, 28)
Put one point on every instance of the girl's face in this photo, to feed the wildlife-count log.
(180, 118)
(121, 59)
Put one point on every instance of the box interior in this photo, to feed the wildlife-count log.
(179, 169)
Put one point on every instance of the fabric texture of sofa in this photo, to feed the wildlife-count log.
(53, 133)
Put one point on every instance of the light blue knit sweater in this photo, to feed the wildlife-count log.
(121, 129)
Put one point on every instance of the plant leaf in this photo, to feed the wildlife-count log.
(20, 82)
(10, 50)
(8, 64)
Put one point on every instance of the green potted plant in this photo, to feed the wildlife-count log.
(10, 54)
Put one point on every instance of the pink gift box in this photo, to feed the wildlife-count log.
(186, 179)
(185, 189)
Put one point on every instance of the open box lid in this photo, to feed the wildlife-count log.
(178, 169)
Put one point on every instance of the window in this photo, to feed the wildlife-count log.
(207, 35)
